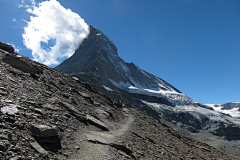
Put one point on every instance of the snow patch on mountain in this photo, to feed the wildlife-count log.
(234, 112)
(174, 97)
(191, 109)
(107, 88)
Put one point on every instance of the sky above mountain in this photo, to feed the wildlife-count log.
(192, 44)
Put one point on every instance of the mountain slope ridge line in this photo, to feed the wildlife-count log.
(35, 125)
(97, 63)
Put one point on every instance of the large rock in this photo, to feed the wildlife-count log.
(6, 47)
(43, 131)
(85, 117)
(17, 62)
(11, 109)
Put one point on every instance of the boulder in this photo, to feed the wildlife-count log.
(96, 122)
(43, 131)
(6, 47)
(11, 109)
(85, 117)
(20, 64)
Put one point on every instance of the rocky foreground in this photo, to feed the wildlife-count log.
(46, 114)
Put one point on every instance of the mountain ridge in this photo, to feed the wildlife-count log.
(230, 108)
(98, 64)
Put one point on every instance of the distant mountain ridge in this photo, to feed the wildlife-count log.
(97, 63)
(232, 109)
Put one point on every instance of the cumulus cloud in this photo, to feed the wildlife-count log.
(53, 32)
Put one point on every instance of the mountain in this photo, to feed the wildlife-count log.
(232, 109)
(47, 114)
(97, 63)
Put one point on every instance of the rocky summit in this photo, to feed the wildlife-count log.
(47, 114)
(97, 63)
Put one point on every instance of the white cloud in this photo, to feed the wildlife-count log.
(52, 24)
(27, 4)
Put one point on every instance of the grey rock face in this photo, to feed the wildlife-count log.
(97, 55)
(230, 106)
(6, 47)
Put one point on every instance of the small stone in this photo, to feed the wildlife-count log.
(3, 93)
(2, 125)
(38, 148)
(4, 144)
(51, 107)
(19, 56)
(8, 101)
(101, 114)
(12, 137)
(75, 78)
(39, 111)
(3, 136)
(2, 88)
(31, 102)
(15, 158)
(12, 109)
(85, 95)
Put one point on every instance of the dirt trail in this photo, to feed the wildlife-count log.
(100, 145)
(124, 126)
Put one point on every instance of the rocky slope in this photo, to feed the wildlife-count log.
(46, 114)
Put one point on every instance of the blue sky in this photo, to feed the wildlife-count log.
(192, 44)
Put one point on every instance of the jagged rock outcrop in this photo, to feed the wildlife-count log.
(43, 122)
(231, 106)
(6, 47)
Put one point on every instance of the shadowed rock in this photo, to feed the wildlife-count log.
(43, 131)
(85, 117)
(6, 47)
(19, 64)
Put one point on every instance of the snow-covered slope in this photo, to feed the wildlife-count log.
(233, 111)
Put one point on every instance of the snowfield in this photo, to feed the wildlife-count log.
(233, 112)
